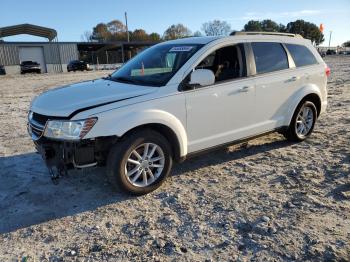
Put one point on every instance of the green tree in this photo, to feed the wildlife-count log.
(176, 31)
(100, 33)
(252, 26)
(216, 28)
(139, 35)
(346, 44)
(307, 30)
(266, 25)
(116, 26)
(154, 37)
(117, 30)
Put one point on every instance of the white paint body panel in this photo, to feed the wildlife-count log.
(200, 118)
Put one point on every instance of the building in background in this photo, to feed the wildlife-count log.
(53, 56)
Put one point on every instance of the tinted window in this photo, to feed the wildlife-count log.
(226, 63)
(269, 57)
(301, 55)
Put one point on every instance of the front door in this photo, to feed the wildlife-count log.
(225, 111)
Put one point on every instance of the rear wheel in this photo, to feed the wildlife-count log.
(140, 162)
(303, 122)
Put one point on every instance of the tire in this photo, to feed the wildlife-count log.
(293, 132)
(122, 152)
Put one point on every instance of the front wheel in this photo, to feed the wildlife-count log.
(140, 162)
(303, 122)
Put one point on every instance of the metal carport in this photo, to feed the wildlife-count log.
(35, 30)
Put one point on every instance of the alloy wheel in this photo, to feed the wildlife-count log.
(144, 164)
(304, 121)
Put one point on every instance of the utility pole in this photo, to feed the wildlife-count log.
(126, 24)
(330, 37)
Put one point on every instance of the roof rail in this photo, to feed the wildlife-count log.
(265, 33)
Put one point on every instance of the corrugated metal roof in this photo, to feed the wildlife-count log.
(28, 29)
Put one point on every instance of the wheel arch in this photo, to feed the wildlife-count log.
(166, 131)
(310, 93)
(314, 98)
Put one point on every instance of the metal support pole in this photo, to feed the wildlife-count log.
(126, 24)
(92, 59)
(123, 53)
(59, 54)
(330, 37)
(107, 57)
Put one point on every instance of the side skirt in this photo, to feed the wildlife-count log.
(235, 142)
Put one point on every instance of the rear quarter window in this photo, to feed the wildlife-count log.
(301, 55)
(269, 57)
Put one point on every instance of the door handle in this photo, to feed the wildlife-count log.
(292, 79)
(245, 89)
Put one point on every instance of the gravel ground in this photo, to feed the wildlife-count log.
(268, 200)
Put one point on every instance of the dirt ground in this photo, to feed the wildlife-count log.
(269, 200)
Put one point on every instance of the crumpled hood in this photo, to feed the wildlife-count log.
(63, 101)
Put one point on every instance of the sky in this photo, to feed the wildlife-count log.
(72, 18)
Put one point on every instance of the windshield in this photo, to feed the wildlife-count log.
(156, 65)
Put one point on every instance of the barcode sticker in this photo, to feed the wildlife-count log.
(181, 49)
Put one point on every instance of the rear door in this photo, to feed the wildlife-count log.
(307, 66)
(275, 82)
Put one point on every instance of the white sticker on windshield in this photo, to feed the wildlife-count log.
(181, 49)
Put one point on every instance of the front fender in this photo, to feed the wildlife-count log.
(110, 124)
(298, 96)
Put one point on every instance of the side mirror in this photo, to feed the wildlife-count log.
(202, 77)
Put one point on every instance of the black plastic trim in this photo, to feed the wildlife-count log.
(234, 142)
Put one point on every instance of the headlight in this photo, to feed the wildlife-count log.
(70, 130)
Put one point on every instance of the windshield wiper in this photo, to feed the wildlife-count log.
(122, 79)
(107, 77)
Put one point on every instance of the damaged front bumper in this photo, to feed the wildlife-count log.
(62, 155)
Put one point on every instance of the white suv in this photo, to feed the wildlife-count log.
(179, 98)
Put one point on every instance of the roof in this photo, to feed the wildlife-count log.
(235, 33)
(239, 35)
(28, 29)
(194, 40)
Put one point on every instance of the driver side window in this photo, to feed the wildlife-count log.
(226, 63)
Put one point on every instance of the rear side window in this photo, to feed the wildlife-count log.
(301, 55)
(269, 57)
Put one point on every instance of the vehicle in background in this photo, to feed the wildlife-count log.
(30, 67)
(331, 52)
(77, 65)
(322, 53)
(2, 70)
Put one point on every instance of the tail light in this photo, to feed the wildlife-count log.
(327, 71)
